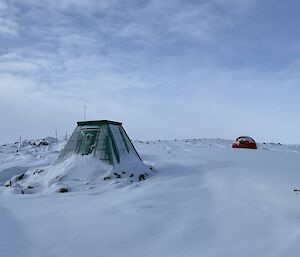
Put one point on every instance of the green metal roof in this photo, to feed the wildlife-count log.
(97, 122)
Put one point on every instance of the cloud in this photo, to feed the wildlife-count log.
(89, 6)
(142, 62)
(143, 21)
(8, 20)
(157, 21)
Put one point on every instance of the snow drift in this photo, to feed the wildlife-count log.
(207, 199)
(76, 173)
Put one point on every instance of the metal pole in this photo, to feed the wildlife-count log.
(56, 136)
(20, 143)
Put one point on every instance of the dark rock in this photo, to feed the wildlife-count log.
(8, 184)
(39, 142)
(20, 177)
(58, 178)
(63, 190)
(106, 178)
(141, 177)
(131, 175)
(38, 171)
(117, 175)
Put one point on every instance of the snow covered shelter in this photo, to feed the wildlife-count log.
(97, 151)
(105, 140)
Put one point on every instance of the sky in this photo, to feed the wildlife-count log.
(167, 69)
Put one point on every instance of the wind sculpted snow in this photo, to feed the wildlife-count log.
(205, 200)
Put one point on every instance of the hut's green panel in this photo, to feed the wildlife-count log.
(104, 145)
(70, 146)
(124, 139)
(119, 140)
(115, 148)
(124, 145)
(128, 142)
(87, 141)
(101, 151)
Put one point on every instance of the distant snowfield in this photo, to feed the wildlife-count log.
(205, 200)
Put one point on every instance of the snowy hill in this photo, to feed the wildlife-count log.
(206, 199)
(32, 153)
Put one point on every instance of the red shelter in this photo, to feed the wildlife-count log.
(244, 142)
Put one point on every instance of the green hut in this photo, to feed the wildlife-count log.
(105, 140)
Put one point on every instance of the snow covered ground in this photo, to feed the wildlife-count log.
(206, 199)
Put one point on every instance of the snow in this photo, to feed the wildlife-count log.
(33, 153)
(76, 173)
(205, 199)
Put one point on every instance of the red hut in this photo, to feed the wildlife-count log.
(244, 142)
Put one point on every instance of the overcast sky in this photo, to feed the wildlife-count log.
(165, 68)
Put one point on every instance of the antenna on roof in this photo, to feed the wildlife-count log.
(85, 113)
(56, 137)
(66, 136)
(20, 143)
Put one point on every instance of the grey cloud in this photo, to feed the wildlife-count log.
(134, 61)
(8, 21)
(144, 21)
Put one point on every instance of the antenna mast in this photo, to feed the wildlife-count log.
(20, 143)
(56, 137)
